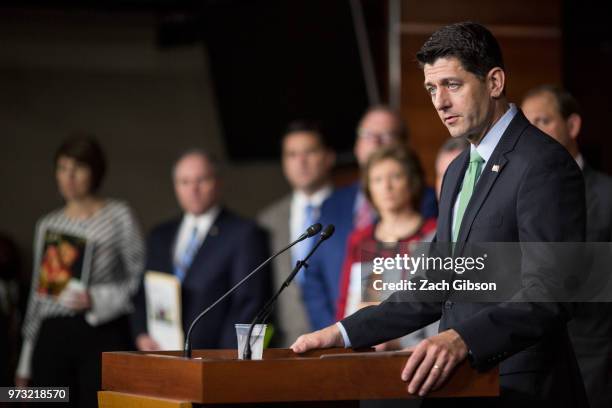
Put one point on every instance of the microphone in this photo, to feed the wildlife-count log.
(327, 232)
(310, 231)
(265, 311)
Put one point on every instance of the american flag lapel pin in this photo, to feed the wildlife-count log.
(495, 168)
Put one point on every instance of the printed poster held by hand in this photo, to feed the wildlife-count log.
(164, 320)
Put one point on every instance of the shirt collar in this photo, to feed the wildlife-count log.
(489, 142)
(580, 161)
(202, 221)
(316, 199)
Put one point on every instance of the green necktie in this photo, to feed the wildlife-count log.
(469, 182)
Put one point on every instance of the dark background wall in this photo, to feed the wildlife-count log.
(587, 64)
(274, 61)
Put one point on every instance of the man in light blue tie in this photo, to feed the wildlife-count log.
(299, 252)
(307, 161)
(183, 261)
(209, 249)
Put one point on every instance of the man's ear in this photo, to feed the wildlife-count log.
(574, 123)
(496, 80)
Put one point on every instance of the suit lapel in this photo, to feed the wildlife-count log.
(488, 176)
(453, 179)
(168, 242)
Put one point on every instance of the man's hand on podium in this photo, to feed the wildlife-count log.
(427, 368)
(432, 361)
(324, 338)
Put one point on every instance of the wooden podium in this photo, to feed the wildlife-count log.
(332, 377)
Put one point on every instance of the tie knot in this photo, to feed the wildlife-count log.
(475, 157)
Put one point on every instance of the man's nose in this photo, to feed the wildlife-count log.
(441, 100)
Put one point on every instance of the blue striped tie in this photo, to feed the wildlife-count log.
(187, 257)
(302, 249)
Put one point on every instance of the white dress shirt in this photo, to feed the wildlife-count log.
(299, 201)
(580, 161)
(202, 222)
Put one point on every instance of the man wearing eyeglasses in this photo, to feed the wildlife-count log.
(347, 208)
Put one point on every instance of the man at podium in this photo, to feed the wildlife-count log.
(514, 184)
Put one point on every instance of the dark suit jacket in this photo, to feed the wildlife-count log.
(591, 328)
(599, 205)
(537, 196)
(322, 281)
(233, 247)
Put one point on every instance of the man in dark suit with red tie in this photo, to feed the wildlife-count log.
(514, 184)
(209, 249)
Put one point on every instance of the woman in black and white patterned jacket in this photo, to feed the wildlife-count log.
(88, 261)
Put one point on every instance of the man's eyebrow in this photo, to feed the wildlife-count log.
(443, 81)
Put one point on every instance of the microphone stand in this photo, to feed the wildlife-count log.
(246, 355)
